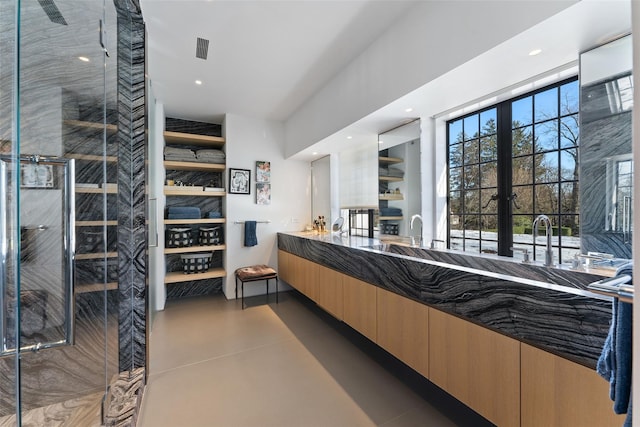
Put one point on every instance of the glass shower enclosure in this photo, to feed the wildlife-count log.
(58, 259)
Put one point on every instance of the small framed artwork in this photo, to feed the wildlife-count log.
(263, 193)
(263, 171)
(239, 181)
(36, 175)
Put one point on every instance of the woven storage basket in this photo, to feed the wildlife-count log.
(196, 263)
(210, 235)
(179, 237)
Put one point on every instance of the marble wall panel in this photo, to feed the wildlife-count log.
(132, 197)
(189, 126)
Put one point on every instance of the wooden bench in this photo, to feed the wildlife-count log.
(255, 273)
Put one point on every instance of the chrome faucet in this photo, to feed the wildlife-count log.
(433, 243)
(413, 241)
(548, 253)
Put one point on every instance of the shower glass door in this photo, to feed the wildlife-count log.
(58, 157)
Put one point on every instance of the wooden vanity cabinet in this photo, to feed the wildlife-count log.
(284, 269)
(508, 382)
(330, 292)
(299, 272)
(360, 306)
(321, 284)
(403, 329)
(477, 366)
(558, 392)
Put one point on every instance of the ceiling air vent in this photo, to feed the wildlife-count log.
(202, 48)
(52, 12)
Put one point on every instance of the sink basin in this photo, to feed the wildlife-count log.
(385, 247)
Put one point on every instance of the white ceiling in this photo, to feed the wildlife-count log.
(265, 57)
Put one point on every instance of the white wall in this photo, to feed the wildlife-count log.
(249, 140)
(157, 291)
(321, 189)
(410, 54)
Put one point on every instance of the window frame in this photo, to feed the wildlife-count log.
(505, 158)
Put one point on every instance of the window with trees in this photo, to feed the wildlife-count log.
(510, 163)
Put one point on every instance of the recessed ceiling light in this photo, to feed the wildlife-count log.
(315, 153)
(535, 52)
(83, 58)
(349, 137)
(408, 110)
(198, 82)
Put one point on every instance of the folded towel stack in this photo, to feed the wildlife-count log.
(390, 212)
(214, 214)
(210, 156)
(183, 212)
(615, 362)
(179, 154)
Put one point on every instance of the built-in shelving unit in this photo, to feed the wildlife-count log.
(99, 190)
(388, 224)
(97, 255)
(96, 270)
(93, 126)
(195, 221)
(178, 276)
(196, 191)
(384, 160)
(193, 166)
(391, 196)
(191, 191)
(181, 138)
(191, 249)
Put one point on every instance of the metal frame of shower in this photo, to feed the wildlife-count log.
(69, 257)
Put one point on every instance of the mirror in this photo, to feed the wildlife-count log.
(337, 225)
(606, 165)
(399, 180)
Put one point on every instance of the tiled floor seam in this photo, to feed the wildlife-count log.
(221, 356)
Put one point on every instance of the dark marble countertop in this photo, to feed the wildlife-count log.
(548, 307)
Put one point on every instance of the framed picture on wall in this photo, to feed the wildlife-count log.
(36, 175)
(263, 193)
(239, 181)
(263, 171)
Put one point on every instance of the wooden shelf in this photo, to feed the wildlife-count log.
(389, 160)
(95, 287)
(92, 190)
(391, 178)
(179, 276)
(391, 197)
(91, 125)
(97, 255)
(190, 249)
(174, 190)
(390, 218)
(194, 166)
(182, 138)
(95, 223)
(91, 157)
(196, 221)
